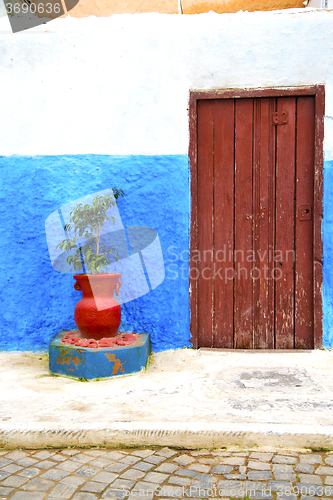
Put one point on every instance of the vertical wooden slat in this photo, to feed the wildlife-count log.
(224, 222)
(193, 282)
(285, 225)
(205, 221)
(318, 215)
(263, 309)
(243, 224)
(304, 228)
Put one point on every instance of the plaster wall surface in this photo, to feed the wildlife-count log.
(95, 102)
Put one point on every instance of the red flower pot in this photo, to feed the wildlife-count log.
(98, 313)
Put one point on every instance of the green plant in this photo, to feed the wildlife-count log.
(88, 221)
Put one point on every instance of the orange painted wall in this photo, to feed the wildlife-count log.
(105, 8)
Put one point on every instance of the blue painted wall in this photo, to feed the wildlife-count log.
(36, 301)
(327, 234)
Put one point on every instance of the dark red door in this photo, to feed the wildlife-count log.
(255, 185)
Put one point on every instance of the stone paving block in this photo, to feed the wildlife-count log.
(145, 487)
(87, 471)
(168, 468)
(59, 458)
(237, 477)
(180, 481)
(329, 480)
(306, 468)
(242, 469)
(4, 461)
(310, 478)
(3, 475)
(253, 485)
(253, 464)
(324, 471)
(222, 469)
(68, 466)
(133, 474)
(11, 468)
(234, 461)
(285, 476)
(73, 480)
(284, 459)
(186, 473)
(16, 455)
(43, 455)
(94, 487)
(259, 475)
(38, 484)
(286, 496)
(329, 460)
(153, 459)
(328, 490)
(117, 467)
(26, 462)
(63, 491)
(46, 464)
(241, 454)
(264, 457)
(142, 453)
(199, 467)
(100, 462)
(123, 483)
(54, 474)
(5, 491)
(227, 485)
(14, 481)
(30, 472)
(166, 452)
(206, 478)
(81, 458)
(24, 495)
(114, 455)
(84, 496)
(105, 477)
(129, 460)
(156, 477)
(184, 460)
(310, 459)
(207, 461)
(70, 453)
(279, 485)
(113, 493)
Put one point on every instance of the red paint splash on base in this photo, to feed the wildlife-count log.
(75, 338)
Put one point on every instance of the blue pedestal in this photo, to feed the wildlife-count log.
(89, 364)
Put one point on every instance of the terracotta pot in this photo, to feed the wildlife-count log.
(98, 313)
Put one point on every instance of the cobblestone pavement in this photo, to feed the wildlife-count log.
(89, 474)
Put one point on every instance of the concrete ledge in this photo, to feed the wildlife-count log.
(175, 435)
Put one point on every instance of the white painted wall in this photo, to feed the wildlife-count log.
(120, 85)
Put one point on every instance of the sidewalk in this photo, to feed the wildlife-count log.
(186, 399)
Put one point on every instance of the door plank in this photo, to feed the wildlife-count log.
(243, 309)
(205, 221)
(304, 338)
(223, 222)
(263, 308)
(285, 226)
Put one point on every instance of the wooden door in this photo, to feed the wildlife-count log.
(254, 255)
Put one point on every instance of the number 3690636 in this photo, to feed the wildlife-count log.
(41, 8)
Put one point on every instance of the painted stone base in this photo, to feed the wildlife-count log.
(89, 364)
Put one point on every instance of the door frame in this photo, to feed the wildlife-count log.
(318, 91)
